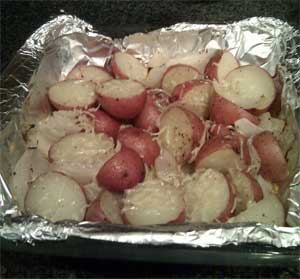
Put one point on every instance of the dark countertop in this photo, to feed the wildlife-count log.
(117, 18)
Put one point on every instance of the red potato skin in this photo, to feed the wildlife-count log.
(181, 89)
(229, 210)
(225, 112)
(273, 164)
(141, 142)
(115, 69)
(197, 126)
(123, 171)
(151, 112)
(256, 189)
(106, 124)
(123, 108)
(94, 212)
(219, 131)
(210, 70)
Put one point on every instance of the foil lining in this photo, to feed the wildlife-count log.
(56, 47)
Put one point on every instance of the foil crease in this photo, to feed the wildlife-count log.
(56, 47)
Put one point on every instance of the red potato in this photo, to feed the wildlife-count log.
(126, 66)
(72, 94)
(123, 99)
(218, 154)
(249, 87)
(56, 197)
(81, 155)
(104, 123)
(56, 126)
(219, 131)
(123, 171)
(176, 134)
(267, 211)
(178, 74)
(153, 202)
(247, 189)
(141, 142)
(273, 164)
(225, 112)
(198, 127)
(220, 65)
(106, 208)
(89, 73)
(148, 119)
(194, 95)
(208, 197)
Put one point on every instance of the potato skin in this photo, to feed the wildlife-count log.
(148, 118)
(104, 123)
(273, 164)
(225, 112)
(123, 171)
(141, 142)
(211, 67)
(94, 212)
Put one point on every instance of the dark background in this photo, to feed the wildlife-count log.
(118, 18)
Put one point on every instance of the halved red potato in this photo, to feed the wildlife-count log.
(267, 211)
(273, 164)
(247, 189)
(141, 142)
(156, 101)
(249, 87)
(222, 111)
(208, 197)
(221, 65)
(92, 191)
(56, 197)
(104, 123)
(198, 127)
(194, 95)
(126, 66)
(176, 133)
(178, 74)
(56, 126)
(123, 171)
(106, 208)
(153, 202)
(72, 94)
(218, 154)
(81, 155)
(123, 99)
(92, 73)
(166, 168)
(31, 165)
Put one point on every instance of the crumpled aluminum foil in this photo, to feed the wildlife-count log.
(56, 47)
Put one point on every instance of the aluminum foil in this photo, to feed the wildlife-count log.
(56, 47)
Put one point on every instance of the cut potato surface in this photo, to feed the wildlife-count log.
(92, 191)
(89, 73)
(194, 95)
(72, 94)
(123, 99)
(81, 155)
(176, 133)
(152, 202)
(126, 66)
(106, 208)
(208, 197)
(56, 197)
(267, 211)
(56, 126)
(178, 74)
(221, 65)
(249, 87)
